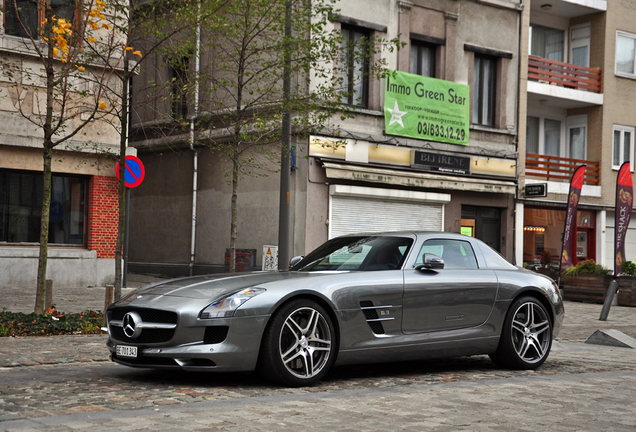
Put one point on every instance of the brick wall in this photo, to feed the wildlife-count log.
(103, 215)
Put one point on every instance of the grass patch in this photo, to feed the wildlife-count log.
(50, 323)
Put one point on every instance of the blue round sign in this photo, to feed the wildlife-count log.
(134, 173)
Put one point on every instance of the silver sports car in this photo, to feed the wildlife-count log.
(355, 299)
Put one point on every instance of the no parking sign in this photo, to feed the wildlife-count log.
(134, 172)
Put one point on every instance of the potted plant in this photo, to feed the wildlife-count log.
(586, 282)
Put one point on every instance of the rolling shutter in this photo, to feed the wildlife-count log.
(351, 215)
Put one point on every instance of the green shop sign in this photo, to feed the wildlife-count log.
(426, 108)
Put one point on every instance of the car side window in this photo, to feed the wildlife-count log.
(457, 254)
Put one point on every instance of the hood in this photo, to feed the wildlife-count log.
(213, 286)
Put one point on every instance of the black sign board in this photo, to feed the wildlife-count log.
(536, 190)
(441, 162)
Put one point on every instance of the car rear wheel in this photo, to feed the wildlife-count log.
(298, 345)
(526, 338)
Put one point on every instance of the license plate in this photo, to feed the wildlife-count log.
(126, 351)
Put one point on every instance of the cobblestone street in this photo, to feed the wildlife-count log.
(68, 383)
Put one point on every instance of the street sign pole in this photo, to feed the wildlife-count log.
(126, 231)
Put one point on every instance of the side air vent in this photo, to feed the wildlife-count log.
(374, 320)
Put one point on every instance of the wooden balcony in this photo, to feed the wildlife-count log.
(554, 168)
(564, 74)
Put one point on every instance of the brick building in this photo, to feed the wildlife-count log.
(84, 201)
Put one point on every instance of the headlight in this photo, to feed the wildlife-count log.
(226, 306)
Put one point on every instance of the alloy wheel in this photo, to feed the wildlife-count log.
(531, 332)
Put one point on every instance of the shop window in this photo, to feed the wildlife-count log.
(21, 208)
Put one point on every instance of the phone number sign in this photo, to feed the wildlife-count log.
(134, 172)
(426, 108)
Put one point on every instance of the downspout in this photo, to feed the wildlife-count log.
(195, 174)
(519, 229)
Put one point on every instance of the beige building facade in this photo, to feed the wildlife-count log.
(577, 100)
(371, 180)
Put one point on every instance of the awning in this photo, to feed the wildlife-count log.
(416, 179)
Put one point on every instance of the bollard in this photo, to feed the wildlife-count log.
(109, 298)
(611, 292)
(48, 294)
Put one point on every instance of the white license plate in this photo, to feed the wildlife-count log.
(126, 351)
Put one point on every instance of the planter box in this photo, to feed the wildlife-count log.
(593, 288)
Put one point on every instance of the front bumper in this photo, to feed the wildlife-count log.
(188, 349)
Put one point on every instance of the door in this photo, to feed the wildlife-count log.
(580, 45)
(486, 222)
(458, 296)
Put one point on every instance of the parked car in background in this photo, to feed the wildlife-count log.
(355, 299)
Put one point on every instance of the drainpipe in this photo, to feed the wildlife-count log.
(195, 174)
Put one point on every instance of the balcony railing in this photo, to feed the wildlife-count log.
(564, 74)
(554, 168)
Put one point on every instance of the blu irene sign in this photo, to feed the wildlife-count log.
(426, 108)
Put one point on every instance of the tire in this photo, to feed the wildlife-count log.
(526, 337)
(299, 345)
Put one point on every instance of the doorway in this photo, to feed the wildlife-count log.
(486, 224)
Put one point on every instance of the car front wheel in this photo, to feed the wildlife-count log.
(526, 338)
(298, 345)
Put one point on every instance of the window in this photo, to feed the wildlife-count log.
(423, 59)
(625, 43)
(484, 90)
(455, 253)
(623, 148)
(21, 208)
(547, 42)
(179, 87)
(30, 15)
(355, 68)
(549, 137)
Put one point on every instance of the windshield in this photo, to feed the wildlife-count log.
(364, 253)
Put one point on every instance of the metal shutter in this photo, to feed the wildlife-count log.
(351, 215)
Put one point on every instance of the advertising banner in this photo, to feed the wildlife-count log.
(576, 184)
(426, 108)
(624, 199)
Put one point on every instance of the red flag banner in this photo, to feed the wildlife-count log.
(624, 199)
(576, 184)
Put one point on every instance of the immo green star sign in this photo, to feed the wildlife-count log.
(426, 108)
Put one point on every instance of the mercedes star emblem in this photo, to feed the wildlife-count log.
(130, 323)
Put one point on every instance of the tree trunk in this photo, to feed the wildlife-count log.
(44, 231)
(235, 180)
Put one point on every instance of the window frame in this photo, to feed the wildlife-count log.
(420, 46)
(41, 15)
(349, 76)
(616, 71)
(477, 115)
(567, 123)
(178, 87)
(622, 129)
(67, 213)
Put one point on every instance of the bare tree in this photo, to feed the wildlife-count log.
(67, 81)
(247, 63)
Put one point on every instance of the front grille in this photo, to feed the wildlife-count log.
(215, 334)
(147, 315)
(147, 336)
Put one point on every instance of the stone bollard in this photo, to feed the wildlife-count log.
(48, 294)
(109, 298)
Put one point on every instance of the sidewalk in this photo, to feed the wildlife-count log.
(68, 300)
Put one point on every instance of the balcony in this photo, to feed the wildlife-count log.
(570, 8)
(563, 85)
(560, 169)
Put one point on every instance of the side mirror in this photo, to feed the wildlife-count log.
(295, 260)
(430, 261)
